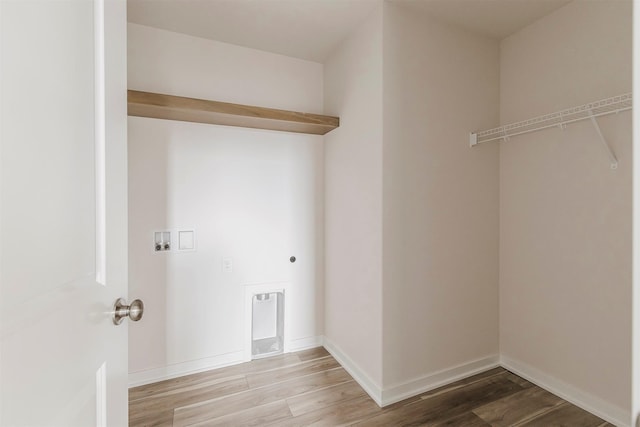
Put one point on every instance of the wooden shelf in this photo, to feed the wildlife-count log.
(159, 106)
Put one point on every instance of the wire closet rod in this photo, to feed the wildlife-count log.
(588, 111)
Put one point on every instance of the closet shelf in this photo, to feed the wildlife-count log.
(589, 111)
(169, 107)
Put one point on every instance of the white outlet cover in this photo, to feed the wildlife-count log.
(227, 265)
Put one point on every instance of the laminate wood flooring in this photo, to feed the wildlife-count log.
(309, 388)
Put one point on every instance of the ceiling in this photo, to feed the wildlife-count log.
(493, 18)
(311, 29)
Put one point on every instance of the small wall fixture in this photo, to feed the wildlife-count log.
(162, 241)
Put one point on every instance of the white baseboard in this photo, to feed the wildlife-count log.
(304, 343)
(184, 368)
(605, 410)
(387, 396)
(213, 362)
(383, 397)
(411, 388)
(372, 389)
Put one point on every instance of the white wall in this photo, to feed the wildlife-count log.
(437, 256)
(252, 195)
(177, 64)
(353, 203)
(565, 216)
(440, 202)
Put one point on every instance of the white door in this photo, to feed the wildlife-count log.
(63, 230)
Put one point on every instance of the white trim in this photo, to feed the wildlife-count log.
(605, 410)
(411, 388)
(417, 386)
(206, 364)
(372, 389)
(384, 397)
(305, 343)
(635, 250)
(185, 368)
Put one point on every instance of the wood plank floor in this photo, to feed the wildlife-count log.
(310, 388)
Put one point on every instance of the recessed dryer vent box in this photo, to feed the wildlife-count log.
(267, 324)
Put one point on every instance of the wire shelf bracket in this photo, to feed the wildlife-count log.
(612, 156)
(560, 119)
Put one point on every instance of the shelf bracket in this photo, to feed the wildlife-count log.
(605, 144)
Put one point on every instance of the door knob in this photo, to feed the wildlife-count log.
(122, 310)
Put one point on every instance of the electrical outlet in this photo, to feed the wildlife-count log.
(227, 265)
